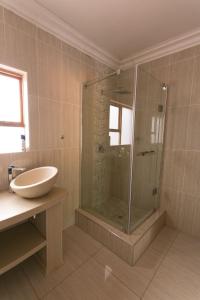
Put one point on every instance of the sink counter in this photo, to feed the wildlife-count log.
(15, 209)
(22, 236)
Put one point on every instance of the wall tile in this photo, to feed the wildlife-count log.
(2, 43)
(49, 71)
(174, 165)
(19, 23)
(172, 202)
(5, 160)
(191, 184)
(71, 80)
(182, 55)
(1, 13)
(195, 99)
(28, 160)
(160, 62)
(180, 83)
(176, 127)
(50, 124)
(34, 131)
(48, 38)
(193, 142)
(20, 53)
(71, 52)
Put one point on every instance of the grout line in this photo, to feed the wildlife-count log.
(71, 273)
(114, 275)
(161, 262)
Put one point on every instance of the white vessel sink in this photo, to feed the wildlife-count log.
(34, 183)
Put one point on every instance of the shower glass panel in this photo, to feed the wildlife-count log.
(107, 110)
(122, 145)
(148, 147)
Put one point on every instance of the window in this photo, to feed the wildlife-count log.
(120, 124)
(12, 111)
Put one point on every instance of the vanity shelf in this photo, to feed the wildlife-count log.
(20, 238)
(19, 243)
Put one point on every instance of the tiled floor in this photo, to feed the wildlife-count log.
(168, 270)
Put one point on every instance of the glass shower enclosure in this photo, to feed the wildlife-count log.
(122, 145)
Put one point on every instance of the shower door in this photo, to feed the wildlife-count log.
(148, 146)
(107, 148)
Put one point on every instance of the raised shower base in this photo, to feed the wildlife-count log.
(128, 247)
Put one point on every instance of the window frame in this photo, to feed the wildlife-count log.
(18, 76)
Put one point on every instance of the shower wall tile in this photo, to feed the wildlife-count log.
(177, 121)
(182, 55)
(180, 83)
(161, 73)
(183, 211)
(193, 142)
(160, 62)
(174, 166)
(192, 179)
(55, 74)
(180, 176)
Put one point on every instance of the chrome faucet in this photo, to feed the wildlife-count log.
(14, 172)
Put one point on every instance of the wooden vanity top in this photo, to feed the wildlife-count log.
(14, 209)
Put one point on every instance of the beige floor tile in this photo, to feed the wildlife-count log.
(185, 252)
(164, 240)
(173, 282)
(75, 254)
(15, 286)
(136, 278)
(92, 282)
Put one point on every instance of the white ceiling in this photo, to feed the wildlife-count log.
(125, 27)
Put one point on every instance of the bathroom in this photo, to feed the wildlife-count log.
(115, 118)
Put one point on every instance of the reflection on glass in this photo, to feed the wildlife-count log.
(114, 117)
(157, 129)
(126, 126)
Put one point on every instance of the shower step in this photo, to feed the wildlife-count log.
(129, 247)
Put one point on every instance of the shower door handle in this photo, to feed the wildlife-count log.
(143, 153)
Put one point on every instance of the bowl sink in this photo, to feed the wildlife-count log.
(34, 183)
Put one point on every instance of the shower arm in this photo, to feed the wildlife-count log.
(88, 83)
(143, 153)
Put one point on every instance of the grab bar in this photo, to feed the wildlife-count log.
(143, 153)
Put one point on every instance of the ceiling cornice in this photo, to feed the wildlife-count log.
(42, 17)
(176, 44)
